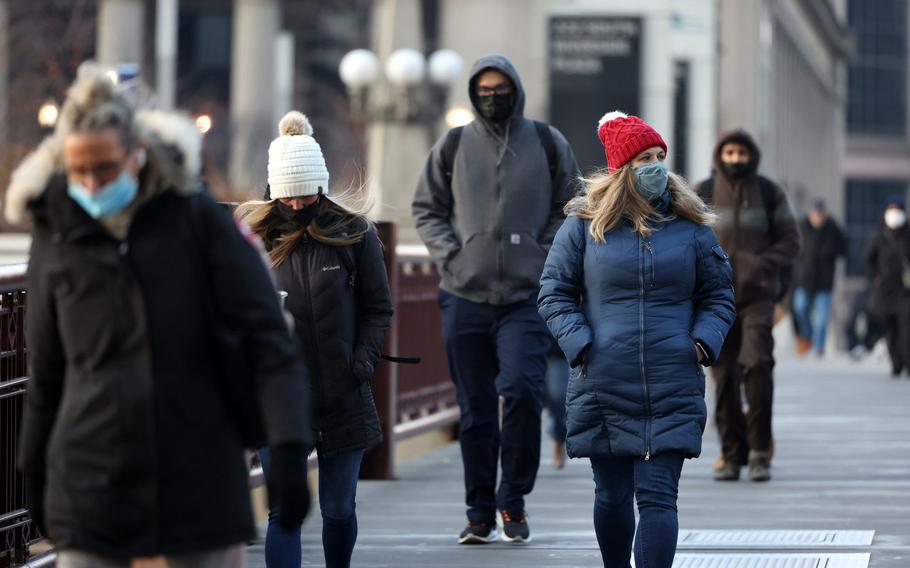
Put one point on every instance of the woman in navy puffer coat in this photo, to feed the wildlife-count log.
(639, 294)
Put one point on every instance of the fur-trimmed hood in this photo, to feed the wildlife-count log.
(172, 142)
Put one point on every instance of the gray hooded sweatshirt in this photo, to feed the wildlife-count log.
(490, 226)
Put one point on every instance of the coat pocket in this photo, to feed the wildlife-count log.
(475, 265)
(523, 259)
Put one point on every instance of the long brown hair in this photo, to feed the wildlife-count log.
(348, 225)
(612, 197)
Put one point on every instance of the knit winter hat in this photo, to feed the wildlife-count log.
(296, 165)
(897, 201)
(624, 137)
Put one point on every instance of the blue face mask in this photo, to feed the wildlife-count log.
(651, 180)
(110, 199)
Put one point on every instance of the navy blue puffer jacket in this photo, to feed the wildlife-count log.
(640, 303)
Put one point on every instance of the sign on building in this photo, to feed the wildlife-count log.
(595, 67)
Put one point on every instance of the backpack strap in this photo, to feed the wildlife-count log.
(449, 148)
(768, 198)
(549, 145)
(453, 138)
(706, 190)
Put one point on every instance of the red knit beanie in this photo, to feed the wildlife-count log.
(624, 137)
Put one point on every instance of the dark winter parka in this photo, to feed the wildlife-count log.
(126, 422)
(821, 247)
(757, 251)
(339, 297)
(887, 255)
(637, 304)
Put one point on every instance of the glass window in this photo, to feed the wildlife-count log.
(877, 74)
(213, 40)
(865, 206)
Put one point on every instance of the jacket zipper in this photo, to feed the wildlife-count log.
(641, 348)
(653, 263)
(500, 253)
(304, 241)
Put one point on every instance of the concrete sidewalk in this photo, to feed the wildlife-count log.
(842, 432)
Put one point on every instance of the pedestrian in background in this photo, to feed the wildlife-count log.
(487, 206)
(638, 292)
(128, 447)
(557, 382)
(823, 243)
(327, 257)
(888, 270)
(862, 328)
(756, 226)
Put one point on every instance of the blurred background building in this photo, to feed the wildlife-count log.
(822, 84)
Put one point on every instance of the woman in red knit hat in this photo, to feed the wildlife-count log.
(639, 294)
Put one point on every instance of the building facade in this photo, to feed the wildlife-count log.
(877, 163)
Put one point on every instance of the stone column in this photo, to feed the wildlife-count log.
(166, 52)
(395, 151)
(256, 25)
(120, 34)
(284, 75)
(4, 75)
(657, 74)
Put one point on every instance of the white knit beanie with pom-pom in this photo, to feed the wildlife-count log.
(296, 165)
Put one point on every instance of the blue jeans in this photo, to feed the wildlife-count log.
(655, 485)
(496, 351)
(337, 491)
(557, 383)
(812, 312)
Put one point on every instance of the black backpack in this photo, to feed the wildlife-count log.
(450, 147)
(767, 196)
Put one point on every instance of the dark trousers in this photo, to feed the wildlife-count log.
(654, 484)
(746, 363)
(557, 384)
(337, 494)
(897, 336)
(496, 351)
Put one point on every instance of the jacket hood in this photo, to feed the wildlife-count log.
(737, 136)
(172, 142)
(502, 64)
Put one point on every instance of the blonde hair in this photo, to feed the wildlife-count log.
(352, 224)
(611, 197)
(94, 103)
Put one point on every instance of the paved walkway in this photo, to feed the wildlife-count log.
(842, 432)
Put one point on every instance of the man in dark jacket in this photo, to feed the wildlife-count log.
(824, 243)
(488, 205)
(136, 279)
(888, 269)
(757, 228)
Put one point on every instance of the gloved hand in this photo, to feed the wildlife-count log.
(287, 483)
(34, 492)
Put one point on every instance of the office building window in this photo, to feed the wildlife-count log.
(877, 75)
(865, 206)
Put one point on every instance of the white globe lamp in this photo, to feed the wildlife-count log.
(405, 67)
(359, 68)
(445, 67)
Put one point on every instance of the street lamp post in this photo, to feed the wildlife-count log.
(401, 101)
(417, 87)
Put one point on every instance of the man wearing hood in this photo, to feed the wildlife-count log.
(488, 205)
(756, 226)
(887, 262)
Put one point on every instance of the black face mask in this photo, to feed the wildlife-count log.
(302, 217)
(495, 108)
(737, 170)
